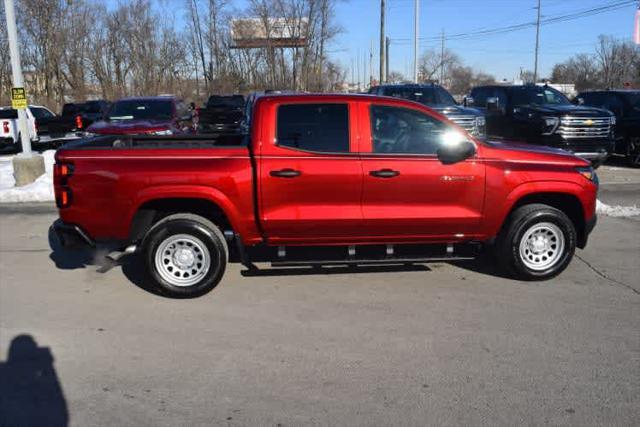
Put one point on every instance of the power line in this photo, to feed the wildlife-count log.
(616, 5)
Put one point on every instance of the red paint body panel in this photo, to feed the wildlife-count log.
(335, 200)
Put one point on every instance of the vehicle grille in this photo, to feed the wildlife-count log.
(468, 123)
(584, 127)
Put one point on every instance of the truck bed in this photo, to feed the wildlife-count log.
(115, 176)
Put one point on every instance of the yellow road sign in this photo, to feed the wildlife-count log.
(18, 98)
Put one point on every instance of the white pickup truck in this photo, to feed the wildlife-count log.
(37, 120)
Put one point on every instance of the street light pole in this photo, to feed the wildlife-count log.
(415, 41)
(16, 71)
(535, 67)
(383, 77)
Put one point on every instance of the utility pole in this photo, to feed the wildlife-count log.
(415, 40)
(26, 166)
(383, 74)
(535, 67)
(358, 67)
(386, 62)
(371, 64)
(442, 58)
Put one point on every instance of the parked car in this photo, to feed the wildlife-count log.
(432, 95)
(221, 114)
(625, 104)
(544, 116)
(157, 115)
(370, 179)
(38, 118)
(74, 120)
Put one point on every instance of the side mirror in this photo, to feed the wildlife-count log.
(468, 101)
(579, 101)
(449, 154)
(493, 104)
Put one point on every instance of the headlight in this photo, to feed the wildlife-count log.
(161, 132)
(89, 134)
(613, 120)
(480, 128)
(588, 173)
(550, 124)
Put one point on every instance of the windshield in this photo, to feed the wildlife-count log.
(537, 95)
(8, 113)
(236, 101)
(423, 95)
(140, 109)
(40, 113)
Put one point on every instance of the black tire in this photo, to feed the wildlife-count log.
(633, 152)
(209, 241)
(519, 226)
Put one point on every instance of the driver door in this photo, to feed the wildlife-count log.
(408, 194)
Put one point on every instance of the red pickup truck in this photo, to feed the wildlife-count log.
(324, 179)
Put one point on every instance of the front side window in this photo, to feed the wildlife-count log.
(397, 130)
(445, 97)
(314, 127)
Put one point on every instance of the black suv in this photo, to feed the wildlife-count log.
(542, 115)
(625, 104)
(436, 97)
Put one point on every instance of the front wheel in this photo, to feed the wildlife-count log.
(537, 242)
(633, 152)
(185, 255)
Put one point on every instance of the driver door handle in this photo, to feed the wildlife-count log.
(285, 173)
(384, 173)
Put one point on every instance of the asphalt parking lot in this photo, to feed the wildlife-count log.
(432, 344)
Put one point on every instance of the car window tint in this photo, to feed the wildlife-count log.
(314, 127)
(405, 131)
(445, 97)
(40, 113)
(480, 96)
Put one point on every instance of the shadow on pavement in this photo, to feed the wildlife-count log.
(30, 392)
(72, 259)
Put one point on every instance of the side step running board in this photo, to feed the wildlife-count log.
(389, 261)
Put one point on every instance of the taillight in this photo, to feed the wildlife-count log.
(5, 127)
(35, 125)
(78, 122)
(63, 170)
(63, 193)
(64, 197)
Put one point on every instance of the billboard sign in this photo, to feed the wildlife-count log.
(273, 32)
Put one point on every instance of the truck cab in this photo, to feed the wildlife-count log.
(542, 115)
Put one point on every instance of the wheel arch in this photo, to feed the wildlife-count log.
(155, 206)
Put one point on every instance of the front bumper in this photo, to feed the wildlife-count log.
(588, 228)
(72, 236)
(70, 136)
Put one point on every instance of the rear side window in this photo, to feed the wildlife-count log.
(314, 127)
(8, 113)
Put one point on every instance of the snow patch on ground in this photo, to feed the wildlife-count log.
(39, 191)
(616, 210)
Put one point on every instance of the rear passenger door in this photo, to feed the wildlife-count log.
(310, 175)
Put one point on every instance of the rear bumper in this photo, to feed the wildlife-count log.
(72, 236)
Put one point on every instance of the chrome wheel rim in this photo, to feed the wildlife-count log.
(182, 260)
(542, 246)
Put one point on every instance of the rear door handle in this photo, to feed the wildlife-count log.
(384, 173)
(285, 173)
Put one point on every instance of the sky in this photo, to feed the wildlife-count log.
(502, 55)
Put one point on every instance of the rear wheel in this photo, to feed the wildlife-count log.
(537, 242)
(185, 255)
